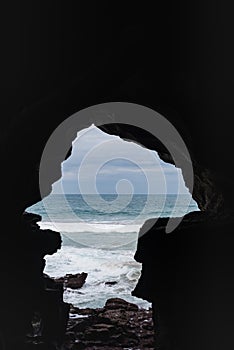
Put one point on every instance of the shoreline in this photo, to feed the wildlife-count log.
(118, 325)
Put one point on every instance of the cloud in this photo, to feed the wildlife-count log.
(153, 169)
(106, 158)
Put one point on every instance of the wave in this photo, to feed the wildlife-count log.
(102, 266)
(92, 227)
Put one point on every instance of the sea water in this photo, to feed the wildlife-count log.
(99, 236)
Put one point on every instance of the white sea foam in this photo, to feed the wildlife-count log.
(102, 266)
(93, 227)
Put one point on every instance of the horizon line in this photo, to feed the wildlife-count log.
(121, 194)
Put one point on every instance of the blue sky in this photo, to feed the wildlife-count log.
(107, 164)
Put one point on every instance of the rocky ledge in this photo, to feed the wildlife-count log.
(73, 281)
(118, 325)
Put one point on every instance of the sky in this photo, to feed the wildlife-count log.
(102, 163)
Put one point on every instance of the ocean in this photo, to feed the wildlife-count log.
(99, 236)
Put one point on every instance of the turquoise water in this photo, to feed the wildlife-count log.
(99, 236)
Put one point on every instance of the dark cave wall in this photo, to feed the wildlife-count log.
(177, 60)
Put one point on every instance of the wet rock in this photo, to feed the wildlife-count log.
(117, 303)
(118, 325)
(111, 283)
(73, 281)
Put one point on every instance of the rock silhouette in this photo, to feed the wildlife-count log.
(73, 281)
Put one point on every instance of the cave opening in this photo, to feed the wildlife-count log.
(108, 189)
